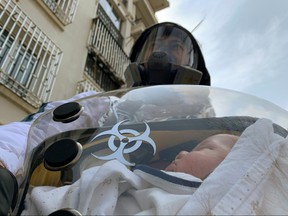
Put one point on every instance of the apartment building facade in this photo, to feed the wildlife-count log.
(53, 49)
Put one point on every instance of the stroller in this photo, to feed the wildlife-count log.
(145, 126)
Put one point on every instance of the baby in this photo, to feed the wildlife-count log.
(205, 157)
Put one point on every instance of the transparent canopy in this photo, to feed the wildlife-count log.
(147, 125)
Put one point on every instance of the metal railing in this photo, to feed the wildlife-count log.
(29, 59)
(64, 10)
(106, 42)
(87, 84)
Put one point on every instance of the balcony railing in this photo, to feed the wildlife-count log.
(87, 84)
(64, 10)
(29, 59)
(106, 42)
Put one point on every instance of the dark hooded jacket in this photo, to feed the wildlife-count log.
(205, 80)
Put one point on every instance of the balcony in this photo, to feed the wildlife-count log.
(106, 43)
(29, 59)
(64, 10)
(145, 10)
(87, 84)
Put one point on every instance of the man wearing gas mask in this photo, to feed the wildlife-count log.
(165, 53)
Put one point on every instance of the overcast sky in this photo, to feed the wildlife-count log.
(244, 42)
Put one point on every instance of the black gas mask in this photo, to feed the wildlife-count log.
(166, 53)
(160, 70)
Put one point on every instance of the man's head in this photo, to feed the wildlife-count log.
(172, 40)
(205, 157)
(167, 53)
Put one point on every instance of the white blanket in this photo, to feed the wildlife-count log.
(114, 189)
(251, 180)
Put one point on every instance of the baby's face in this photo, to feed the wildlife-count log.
(205, 157)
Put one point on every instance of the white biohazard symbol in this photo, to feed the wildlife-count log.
(121, 135)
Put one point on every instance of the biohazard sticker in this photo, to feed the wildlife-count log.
(126, 137)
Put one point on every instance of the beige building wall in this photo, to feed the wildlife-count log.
(72, 40)
(12, 109)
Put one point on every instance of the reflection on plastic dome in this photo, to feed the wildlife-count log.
(160, 103)
(165, 103)
(148, 125)
(233, 103)
(156, 104)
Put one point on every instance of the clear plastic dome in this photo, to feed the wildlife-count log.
(147, 125)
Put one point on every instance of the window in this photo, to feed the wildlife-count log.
(5, 46)
(24, 62)
(29, 59)
(110, 12)
(23, 67)
(100, 73)
(64, 10)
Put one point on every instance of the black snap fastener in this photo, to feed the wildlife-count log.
(67, 112)
(62, 154)
(65, 212)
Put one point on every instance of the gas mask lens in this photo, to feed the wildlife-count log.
(173, 41)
